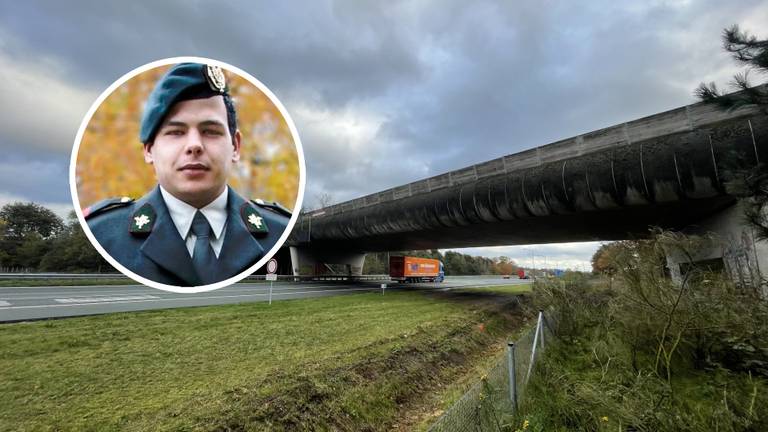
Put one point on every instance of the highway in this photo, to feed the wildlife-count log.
(34, 303)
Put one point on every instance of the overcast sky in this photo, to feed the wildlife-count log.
(382, 93)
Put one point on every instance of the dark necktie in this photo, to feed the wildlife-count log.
(203, 257)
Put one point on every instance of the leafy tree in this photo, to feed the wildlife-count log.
(602, 259)
(504, 265)
(454, 262)
(26, 229)
(31, 250)
(750, 184)
(22, 219)
(72, 252)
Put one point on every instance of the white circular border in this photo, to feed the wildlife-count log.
(76, 199)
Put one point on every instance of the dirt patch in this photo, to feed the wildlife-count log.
(395, 391)
(513, 314)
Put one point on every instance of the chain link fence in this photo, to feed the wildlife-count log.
(489, 404)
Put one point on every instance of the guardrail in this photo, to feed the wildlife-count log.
(258, 277)
(62, 276)
(249, 278)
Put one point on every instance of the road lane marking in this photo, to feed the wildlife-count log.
(95, 293)
(183, 299)
(103, 299)
(4, 303)
(51, 296)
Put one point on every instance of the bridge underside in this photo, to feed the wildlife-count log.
(616, 224)
(667, 171)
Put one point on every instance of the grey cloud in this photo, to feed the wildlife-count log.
(40, 111)
(284, 45)
(43, 179)
(421, 87)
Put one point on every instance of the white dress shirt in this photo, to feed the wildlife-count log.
(183, 213)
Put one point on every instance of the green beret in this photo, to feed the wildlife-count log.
(183, 81)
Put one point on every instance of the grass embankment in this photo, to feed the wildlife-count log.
(588, 384)
(649, 354)
(502, 289)
(358, 362)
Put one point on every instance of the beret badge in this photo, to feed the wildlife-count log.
(216, 78)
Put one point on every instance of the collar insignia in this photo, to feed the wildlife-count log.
(253, 220)
(142, 220)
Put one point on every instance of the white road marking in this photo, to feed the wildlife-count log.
(285, 291)
(93, 293)
(82, 300)
(187, 298)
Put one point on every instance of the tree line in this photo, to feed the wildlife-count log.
(33, 238)
(454, 263)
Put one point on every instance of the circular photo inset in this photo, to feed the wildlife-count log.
(187, 174)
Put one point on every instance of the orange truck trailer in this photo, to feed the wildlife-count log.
(413, 269)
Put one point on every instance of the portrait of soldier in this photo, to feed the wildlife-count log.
(192, 228)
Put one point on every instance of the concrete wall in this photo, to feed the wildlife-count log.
(306, 261)
(743, 255)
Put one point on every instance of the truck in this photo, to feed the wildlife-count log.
(414, 269)
(522, 274)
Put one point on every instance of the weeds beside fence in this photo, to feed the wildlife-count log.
(489, 404)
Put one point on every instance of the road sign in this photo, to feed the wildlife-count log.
(271, 277)
(272, 266)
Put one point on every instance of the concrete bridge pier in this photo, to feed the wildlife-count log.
(309, 261)
(734, 248)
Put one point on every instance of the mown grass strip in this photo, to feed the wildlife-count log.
(502, 289)
(346, 362)
(64, 282)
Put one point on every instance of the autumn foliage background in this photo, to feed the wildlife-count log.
(110, 161)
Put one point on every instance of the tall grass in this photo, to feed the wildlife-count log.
(651, 354)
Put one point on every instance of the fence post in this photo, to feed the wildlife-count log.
(533, 349)
(512, 376)
(541, 321)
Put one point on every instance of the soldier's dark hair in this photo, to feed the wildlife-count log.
(204, 93)
(231, 115)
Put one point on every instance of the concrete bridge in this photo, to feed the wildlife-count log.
(667, 170)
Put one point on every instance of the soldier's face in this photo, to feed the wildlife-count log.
(193, 151)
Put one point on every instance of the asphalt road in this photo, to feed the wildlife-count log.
(32, 303)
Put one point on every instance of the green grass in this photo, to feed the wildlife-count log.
(347, 363)
(575, 387)
(502, 289)
(600, 372)
(63, 282)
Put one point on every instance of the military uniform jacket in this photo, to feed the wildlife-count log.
(159, 253)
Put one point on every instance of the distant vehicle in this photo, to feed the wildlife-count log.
(522, 274)
(413, 269)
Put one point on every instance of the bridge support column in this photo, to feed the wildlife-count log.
(734, 248)
(307, 261)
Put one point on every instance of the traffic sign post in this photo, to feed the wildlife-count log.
(271, 276)
(272, 266)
